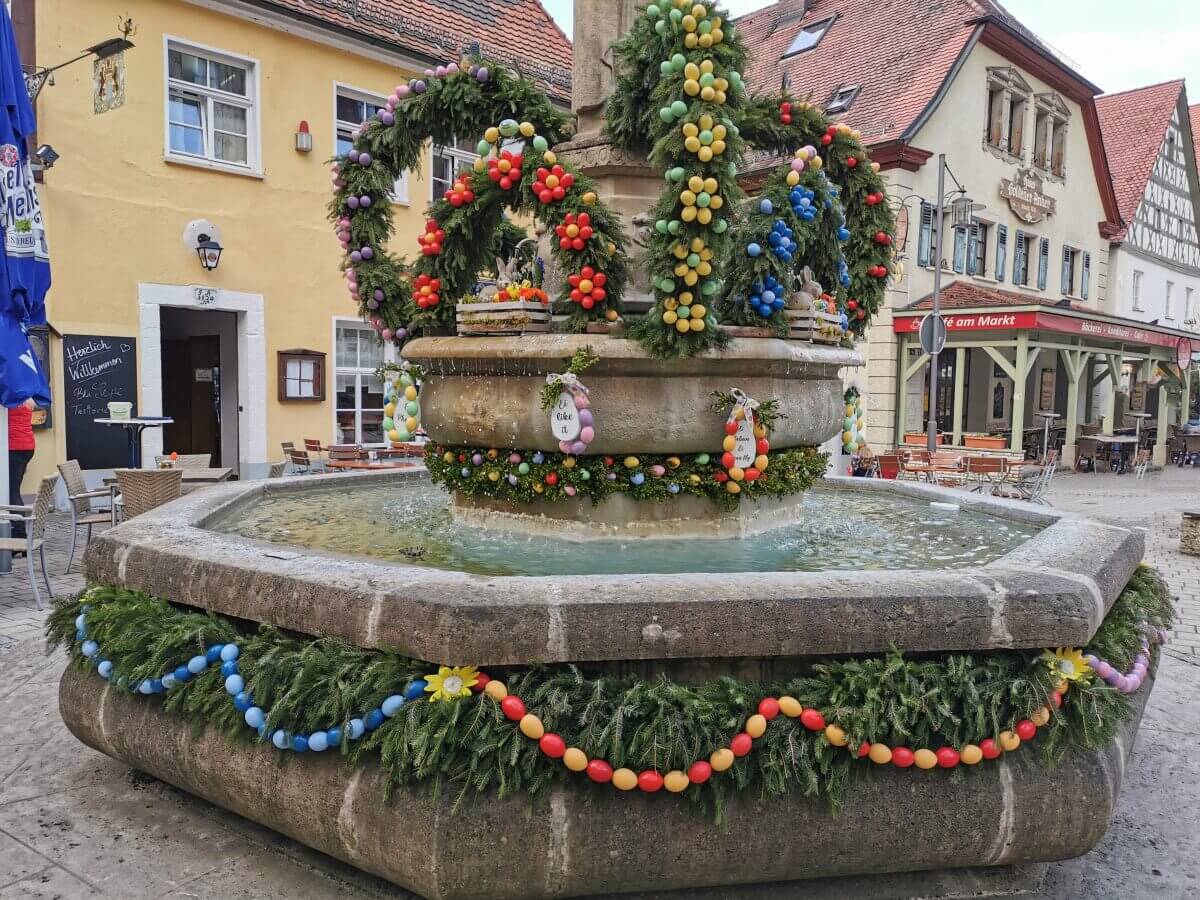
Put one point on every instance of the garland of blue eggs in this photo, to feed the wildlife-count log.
(766, 296)
(235, 686)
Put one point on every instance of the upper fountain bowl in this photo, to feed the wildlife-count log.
(641, 404)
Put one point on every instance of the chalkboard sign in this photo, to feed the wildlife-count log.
(97, 370)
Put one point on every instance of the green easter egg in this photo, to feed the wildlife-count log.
(412, 408)
(674, 226)
(661, 226)
(679, 108)
(406, 380)
(540, 144)
(678, 60)
(585, 475)
(388, 424)
(693, 259)
(666, 115)
(706, 137)
(661, 27)
(703, 198)
(508, 127)
(720, 226)
(707, 79)
(483, 148)
(684, 312)
(523, 469)
(702, 459)
(676, 17)
(404, 435)
(653, 11)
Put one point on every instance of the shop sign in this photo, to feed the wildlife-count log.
(1026, 198)
(990, 321)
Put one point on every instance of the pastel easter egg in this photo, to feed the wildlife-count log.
(569, 490)
(578, 447)
(564, 446)
(587, 434)
(657, 471)
(514, 458)
(585, 418)
(581, 401)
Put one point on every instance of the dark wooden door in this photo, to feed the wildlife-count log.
(192, 395)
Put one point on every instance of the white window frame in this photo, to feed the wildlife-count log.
(817, 30)
(1135, 289)
(462, 159)
(399, 195)
(252, 102)
(1169, 301)
(842, 98)
(389, 356)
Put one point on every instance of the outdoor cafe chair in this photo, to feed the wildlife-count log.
(144, 489)
(1141, 463)
(302, 464)
(314, 450)
(1090, 449)
(79, 498)
(889, 465)
(986, 472)
(34, 518)
(187, 460)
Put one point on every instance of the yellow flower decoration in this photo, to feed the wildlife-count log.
(1068, 663)
(451, 683)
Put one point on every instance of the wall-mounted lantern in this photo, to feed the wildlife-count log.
(303, 138)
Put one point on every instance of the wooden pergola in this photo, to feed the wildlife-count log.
(1090, 346)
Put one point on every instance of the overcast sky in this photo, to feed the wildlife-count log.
(1114, 43)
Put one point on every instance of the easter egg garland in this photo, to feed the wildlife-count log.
(565, 397)
(745, 445)
(401, 393)
(853, 429)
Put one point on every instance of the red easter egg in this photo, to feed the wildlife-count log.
(752, 474)
(587, 272)
(1056, 698)
(600, 279)
(812, 720)
(546, 196)
(599, 771)
(731, 427)
(947, 757)
(902, 757)
(727, 460)
(762, 445)
(768, 708)
(608, 460)
(741, 744)
(513, 707)
(1026, 730)
(552, 745)
(699, 772)
(481, 681)
(720, 477)
(650, 781)
(990, 749)
(851, 161)
(826, 139)
(552, 478)
(564, 243)
(863, 749)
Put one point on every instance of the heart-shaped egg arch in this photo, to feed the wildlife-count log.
(517, 172)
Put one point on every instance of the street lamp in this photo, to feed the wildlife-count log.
(209, 252)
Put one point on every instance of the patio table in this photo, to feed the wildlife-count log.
(1122, 443)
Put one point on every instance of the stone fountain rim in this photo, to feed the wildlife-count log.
(1053, 590)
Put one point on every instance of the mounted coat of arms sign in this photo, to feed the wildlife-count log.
(1025, 196)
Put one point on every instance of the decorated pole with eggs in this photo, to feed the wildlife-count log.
(402, 407)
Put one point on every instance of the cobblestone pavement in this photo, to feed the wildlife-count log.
(19, 616)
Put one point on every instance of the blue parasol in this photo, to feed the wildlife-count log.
(25, 263)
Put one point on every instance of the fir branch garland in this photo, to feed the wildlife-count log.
(306, 683)
(581, 360)
(767, 411)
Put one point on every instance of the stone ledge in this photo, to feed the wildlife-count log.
(588, 840)
(1049, 592)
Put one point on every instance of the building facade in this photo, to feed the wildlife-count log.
(1020, 133)
(222, 118)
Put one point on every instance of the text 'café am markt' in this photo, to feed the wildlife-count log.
(1070, 282)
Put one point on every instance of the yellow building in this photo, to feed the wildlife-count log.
(197, 126)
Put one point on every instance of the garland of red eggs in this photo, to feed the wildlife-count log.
(733, 475)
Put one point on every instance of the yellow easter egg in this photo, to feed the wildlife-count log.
(389, 410)
(705, 40)
(694, 478)
(493, 475)
(706, 122)
(874, 167)
(394, 435)
(531, 726)
(448, 457)
(733, 487)
(632, 462)
(496, 689)
(880, 754)
(670, 317)
(1009, 741)
(756, 726)
(569, 462)
(970, 755)
(706, 66)
(696, 184)
(699, 310)
(760, 432)
(696, 324)
(704, 216)
(691, 40)
(688, 213)
(722, 759)
(739, 413)
(717, 35)
(835, 735)
(761, 461)
(790, 706)
(491, 135)
(707, 94)
(611, 315)
(737, 474)
(479, 165)
(538, 487)
(589, 198)
(624, 779)
(718, 146)
(687, 198)
(1040, 717)
(690, 129)
(410, 392)
(691, 88)
(688, 22)
(793, 178)
(671, 303)
(704, 154)
(526, 129)
(691, 70)
(549, 158)
(681, 325)
(672, 462)
(729, 443)
(925, 759)
(675, 781)
(698, 11)
(411, 423)
(575, 759)
(716, 202)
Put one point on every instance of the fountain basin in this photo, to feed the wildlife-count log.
(1052, 590)
(487, 393)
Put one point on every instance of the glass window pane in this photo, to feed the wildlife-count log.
(372, 392)
(350, 110)
(229, 147)
(345, 427)
(185, 110)
(229, 118)
(344, 144)
(372, 427)
(370, 350)
(187, 67)
(187, 140)
(231, 79)
(347, 391)
(346, 347)
(293, 368)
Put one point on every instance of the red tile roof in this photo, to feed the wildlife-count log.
(968, 294)
(899, 53)
(519, 33)
(1134, 125)
(1194, 115)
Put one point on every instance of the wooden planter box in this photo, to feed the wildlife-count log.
(985, 441)
(509, 317)
(813, 325)
(920, 437)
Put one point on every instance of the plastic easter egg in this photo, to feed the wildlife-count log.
(970, 755)
(1009, 741)
(741, 745)
(624, 779)
(575, 759)
(925, 759)
(720, 760)
(902, 757)
(523, 468)
(880, 754)
(675, 781)
(650, 781)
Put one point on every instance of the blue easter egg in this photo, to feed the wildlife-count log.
(843, 234)
(318, 742)
(673, 488)
(766, 207)
(182, 674)
(539, 458)
(144, 687)
(214, 652)
(357, 728)
(768, 296)
(229, 668)
(105, 668)
(392, 705)
(230, 651)
(774, 238)
(280, 739)
(197, 664)
(300, 743)
(335, 736)
(753, 250)
(777, 304)
(234, 685)
(464, 472)
(80, 622)
(90, 648)
(373, 720)
(80, 634)
(255, 717)
(243, 701)
(637, 478)
(416, 690)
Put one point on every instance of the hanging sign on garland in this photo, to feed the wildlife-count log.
(571, 420)
(745, 445)
(744, 449)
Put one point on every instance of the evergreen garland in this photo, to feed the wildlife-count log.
(469, 747)
(545, 476)
(581, 360)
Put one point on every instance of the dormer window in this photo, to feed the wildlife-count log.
(1008, 96)
(809, 37)
(841, 99)
(1050, 134)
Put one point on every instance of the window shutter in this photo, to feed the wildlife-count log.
(1019, 267)
(1043, 263)
(972, 248)
(1001, 251)
(960, 249)
(1067, 264)
(925, 242)
(1085, 276)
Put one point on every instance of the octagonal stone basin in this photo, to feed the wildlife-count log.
(487, 392)
(1051, 590)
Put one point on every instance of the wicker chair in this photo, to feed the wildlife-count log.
(82, 511)
(34, 518)
(144, 489)
(187, 460)
(277, 469)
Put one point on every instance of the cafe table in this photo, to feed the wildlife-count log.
(1122, 443)
(134, 426)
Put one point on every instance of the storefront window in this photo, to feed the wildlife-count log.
(359, 352)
